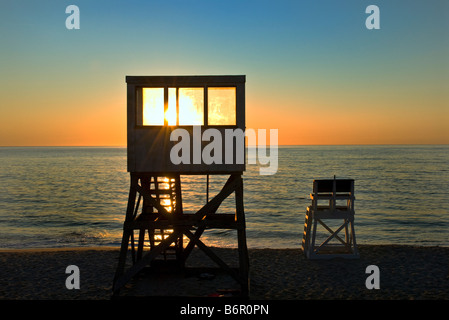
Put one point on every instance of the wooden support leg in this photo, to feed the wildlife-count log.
(241, 237)
(127, 234)
(354, 243)
(122, 257)
(312, 245)
(140, 244)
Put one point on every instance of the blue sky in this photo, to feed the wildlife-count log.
(298, 56)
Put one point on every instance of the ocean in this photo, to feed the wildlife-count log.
(76, 196)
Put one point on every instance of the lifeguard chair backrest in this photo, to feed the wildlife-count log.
(334, 193)
(333, 186)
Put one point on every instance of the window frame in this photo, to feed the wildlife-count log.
(139, 105)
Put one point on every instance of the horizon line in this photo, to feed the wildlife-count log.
(252, 145)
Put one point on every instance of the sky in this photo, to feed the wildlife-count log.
(313, 69)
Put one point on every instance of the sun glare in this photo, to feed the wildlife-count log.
(191, 105)
(170, 113)
(185, 106)
(153, 106)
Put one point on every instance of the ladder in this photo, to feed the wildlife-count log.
(166, 191)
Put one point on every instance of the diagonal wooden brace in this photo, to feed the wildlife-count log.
(147, 196)
(334, 234)
(212, 206)
(212, 255)
(332, 231)
(216, 201)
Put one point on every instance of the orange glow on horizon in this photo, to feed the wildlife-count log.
(101, 121)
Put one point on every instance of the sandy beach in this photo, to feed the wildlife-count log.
(406, 272)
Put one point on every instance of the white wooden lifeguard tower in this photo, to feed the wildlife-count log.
(332, 200)
(155, 221)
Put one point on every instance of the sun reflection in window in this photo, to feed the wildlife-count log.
(153, 106)
(191, 106)
(221, 106)
(185, 106)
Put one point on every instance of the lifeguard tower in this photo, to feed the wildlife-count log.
(155, 221)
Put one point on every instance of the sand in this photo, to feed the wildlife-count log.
(406, 272)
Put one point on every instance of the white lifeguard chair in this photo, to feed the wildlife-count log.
(332, 200)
